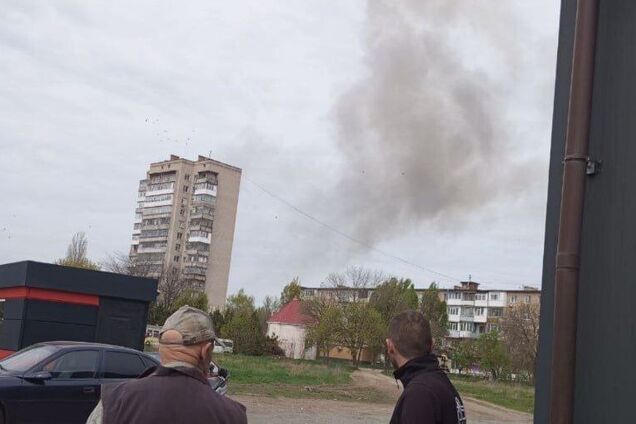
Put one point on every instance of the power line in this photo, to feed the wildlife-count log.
(347, 236)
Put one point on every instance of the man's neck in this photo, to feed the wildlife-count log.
(178, 364)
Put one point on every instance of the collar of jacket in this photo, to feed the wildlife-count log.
(423, 363)
(191, 372)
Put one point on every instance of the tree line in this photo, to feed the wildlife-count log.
(347, 317)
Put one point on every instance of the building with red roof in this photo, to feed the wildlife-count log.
(289, 325)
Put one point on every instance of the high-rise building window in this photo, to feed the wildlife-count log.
(185, 189)
(187, 177)
(176, 258)
(179, 235)
(178, 247)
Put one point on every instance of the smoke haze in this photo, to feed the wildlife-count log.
(424, 132)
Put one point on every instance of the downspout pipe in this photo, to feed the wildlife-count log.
(571, 214)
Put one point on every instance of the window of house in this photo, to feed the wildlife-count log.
(176, 258)
(185, 189)
(494, 296)
(178, 247)
(513, 298)
(527, 299)
(187, 177)
(179, 235)
(479, 311)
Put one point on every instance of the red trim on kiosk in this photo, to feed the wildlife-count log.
(48, 295)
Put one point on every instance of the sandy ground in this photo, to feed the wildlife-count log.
(263, 410)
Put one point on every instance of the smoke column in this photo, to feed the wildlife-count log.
(423, 133)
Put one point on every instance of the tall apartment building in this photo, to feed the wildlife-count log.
(471, 311)
(184, 222)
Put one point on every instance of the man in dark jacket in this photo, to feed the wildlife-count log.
(177, 391)
(429, 397)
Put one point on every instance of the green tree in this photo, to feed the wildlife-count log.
(242, 325)
(361, 327)
(290, 291)
(464, 354)
(76, 254)
(325, 328)
(390, 298)
(196, 299)
(491, 354)
(434, 308)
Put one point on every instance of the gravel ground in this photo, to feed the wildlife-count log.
(262, 410)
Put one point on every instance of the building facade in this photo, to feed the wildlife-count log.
(471, 311)
(289, 326)
(184, 222)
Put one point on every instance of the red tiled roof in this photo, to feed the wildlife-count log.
(291, 313)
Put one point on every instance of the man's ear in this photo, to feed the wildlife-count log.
(390, 347)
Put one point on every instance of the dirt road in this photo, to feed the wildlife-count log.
(263, 410)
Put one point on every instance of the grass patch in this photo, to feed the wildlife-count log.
(282, 377)
(276, 370)
(337, 392)
(517, 396)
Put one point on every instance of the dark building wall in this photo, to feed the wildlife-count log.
(121, 322)
(606, 336)
(559, 129)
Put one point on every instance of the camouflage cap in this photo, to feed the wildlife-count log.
(194, 325)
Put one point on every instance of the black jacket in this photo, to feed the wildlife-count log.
(169, 395)
(429, 397)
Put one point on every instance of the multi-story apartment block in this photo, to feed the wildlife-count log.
(184, 222)
(471, 311)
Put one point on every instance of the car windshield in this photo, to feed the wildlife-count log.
(27, 358)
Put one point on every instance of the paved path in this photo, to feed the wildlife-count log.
(262, 410)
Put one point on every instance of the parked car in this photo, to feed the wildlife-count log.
(59, 382)
(223, 346)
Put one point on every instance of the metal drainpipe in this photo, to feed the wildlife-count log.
(571, 214)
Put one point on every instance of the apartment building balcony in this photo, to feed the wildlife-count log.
(199, 215)
(454, 302)
(143, 249)
(480, 318)
(453, 318)
(200, 239)
(153, 239)
(159, 192)
(453, 334)
(158, 203)
(467, 335)
(191, 270)
(136, 231)
(467, 318)
(157, 213)
(209, 190)
(135, 241)
(155, 227)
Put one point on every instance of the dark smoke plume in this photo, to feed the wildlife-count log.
(423, 133)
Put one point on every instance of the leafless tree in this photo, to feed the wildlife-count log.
(76, 253)
(350, 284)
(520, 330)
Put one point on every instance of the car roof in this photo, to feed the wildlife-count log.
(70, 344)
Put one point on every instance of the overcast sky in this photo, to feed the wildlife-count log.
(419, 129)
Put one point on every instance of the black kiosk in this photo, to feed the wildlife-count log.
(44, 302)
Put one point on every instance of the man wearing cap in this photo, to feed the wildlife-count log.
(178, 390)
